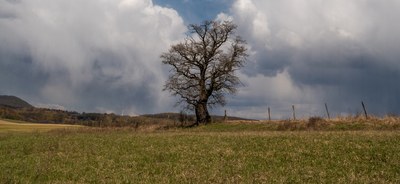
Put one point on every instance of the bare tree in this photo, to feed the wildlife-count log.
(203, 66)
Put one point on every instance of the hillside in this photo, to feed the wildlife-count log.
(13, 102)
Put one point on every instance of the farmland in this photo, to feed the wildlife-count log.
(21, 126)
(215, 153)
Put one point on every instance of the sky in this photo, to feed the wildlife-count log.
(104, 55)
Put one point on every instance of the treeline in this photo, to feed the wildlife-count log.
(53, 116)
(40, 115)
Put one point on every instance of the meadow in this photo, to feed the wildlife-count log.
(232, 152)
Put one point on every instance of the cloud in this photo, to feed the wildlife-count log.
(87, 55)
(340, 52)
(103, 55)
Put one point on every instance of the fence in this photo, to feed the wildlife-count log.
(294, 112)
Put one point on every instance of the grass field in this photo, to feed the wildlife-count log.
(206, 154)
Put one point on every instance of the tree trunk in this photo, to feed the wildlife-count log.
(202, 115)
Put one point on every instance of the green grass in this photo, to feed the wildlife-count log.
(207, 154)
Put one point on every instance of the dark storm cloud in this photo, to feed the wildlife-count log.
(345, 81)
(15, 76)
(90, 55)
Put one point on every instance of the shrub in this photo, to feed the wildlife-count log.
(316, 123)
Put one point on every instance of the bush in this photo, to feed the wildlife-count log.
(316, 123)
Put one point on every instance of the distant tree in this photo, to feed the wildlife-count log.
(203, 66)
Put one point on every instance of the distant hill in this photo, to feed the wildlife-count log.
(13, 102)
(14, 108)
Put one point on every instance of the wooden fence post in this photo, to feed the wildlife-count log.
(225, 116)
(365, 111)
(269, 114)
(294, 113)
(327, 111)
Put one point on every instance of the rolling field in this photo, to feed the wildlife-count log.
(17, 126)
(206, 154)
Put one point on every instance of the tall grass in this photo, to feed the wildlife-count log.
(348, 123)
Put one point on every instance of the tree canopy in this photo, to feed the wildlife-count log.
(203, 66)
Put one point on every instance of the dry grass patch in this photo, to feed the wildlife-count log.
(19, 126)
(336, 124)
